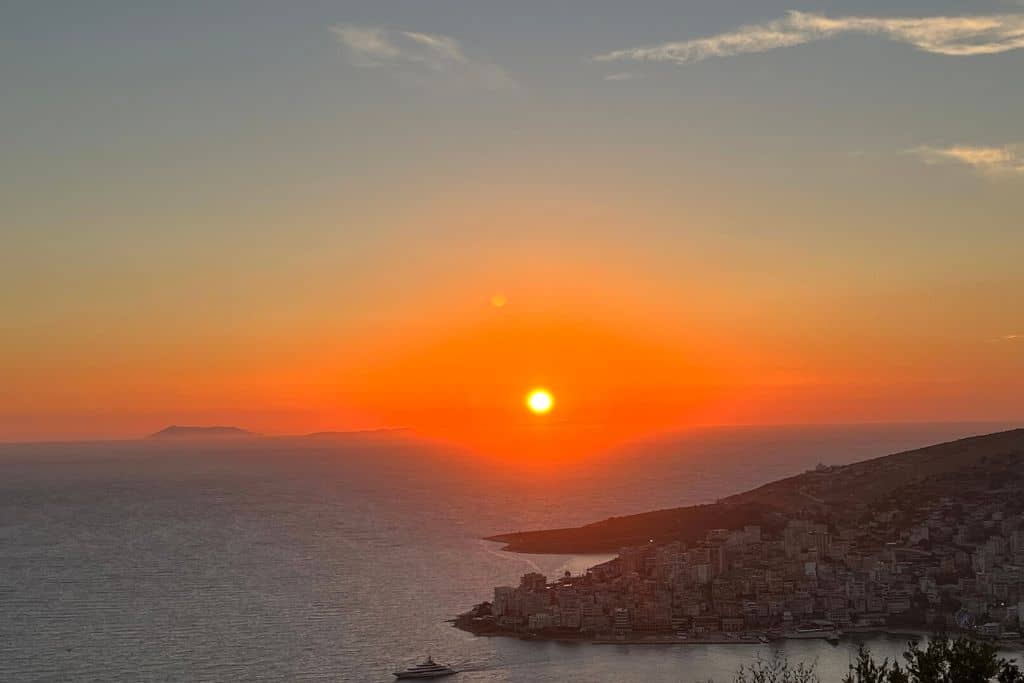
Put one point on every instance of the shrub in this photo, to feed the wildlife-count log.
(777, 669)
(942, 661)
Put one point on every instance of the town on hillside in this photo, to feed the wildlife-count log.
(918, 559)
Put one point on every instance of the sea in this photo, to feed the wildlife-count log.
(345, 559)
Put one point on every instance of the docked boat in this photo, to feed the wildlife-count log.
(428, 669)
(829, 634)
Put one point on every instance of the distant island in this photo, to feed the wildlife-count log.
(188, 432)
(184, 432)
(393, 432)
(930, 540)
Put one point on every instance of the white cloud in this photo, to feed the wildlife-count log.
(368, 44)
(1007, 160)
(621, 76)
(442, 48)
(960, 36)
(376, 46)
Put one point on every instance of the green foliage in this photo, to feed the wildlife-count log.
(942, 661)
(957, 661)
(866, 670)
(777, 670)
(1009, 672)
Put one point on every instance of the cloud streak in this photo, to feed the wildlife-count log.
(418, 53)
(621, 76)
(955, 35)
(1007, 160)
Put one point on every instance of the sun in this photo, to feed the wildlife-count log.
(540, 401)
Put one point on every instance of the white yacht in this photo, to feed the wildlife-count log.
(428, 669)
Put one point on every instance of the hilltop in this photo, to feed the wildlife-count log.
(189, 432)
(903, 480)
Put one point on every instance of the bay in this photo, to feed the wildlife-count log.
(333, 560)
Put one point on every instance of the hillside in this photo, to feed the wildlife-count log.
(845, 491)
(860, 483)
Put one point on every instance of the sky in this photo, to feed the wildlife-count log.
(299, 216)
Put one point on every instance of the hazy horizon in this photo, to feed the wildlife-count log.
(250, 430)
(363, 215)
(584, 269)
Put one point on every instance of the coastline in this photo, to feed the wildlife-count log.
(716, 639)
(465, 622)
(889, 546)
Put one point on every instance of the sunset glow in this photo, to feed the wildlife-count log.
(396, 323)
(540, 401)
(663, 245)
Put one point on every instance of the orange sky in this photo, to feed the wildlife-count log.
(307, 237)
(611, 381)
(624, 357)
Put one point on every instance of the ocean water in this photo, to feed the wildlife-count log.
(142, 561)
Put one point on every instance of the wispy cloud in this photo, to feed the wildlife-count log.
(993, 161)
(621, 76)
(368, 45)
(421, 53)
(954, 35)
(439, 50)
